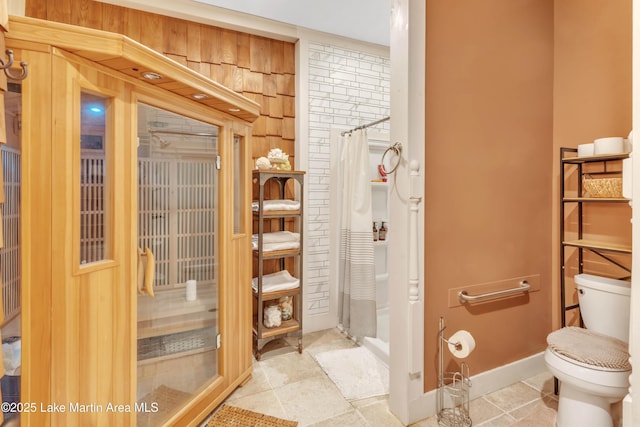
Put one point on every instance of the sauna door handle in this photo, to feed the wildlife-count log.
(146, 271)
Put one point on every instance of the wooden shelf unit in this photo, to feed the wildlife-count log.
(285, 219)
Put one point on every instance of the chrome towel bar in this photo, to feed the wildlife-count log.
(523, 287)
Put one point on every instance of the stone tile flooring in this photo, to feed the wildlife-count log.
(289, 385)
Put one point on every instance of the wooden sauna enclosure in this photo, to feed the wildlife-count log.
(130, 192)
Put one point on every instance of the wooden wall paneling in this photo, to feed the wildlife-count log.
(58, 10)
(274, 126)
(86, 13)
(224, 74)
(4, 15)
(124, 297)
(288, 106)
(210, 45)
(289, 55)
(260, 60)
(36, 9)
(286, 145)
(36, 236)
(289, 128)
(275, 142)
(175, 37)
(113, 19)
(260, 127)
(286, 84)
(260, 147)
(194, 44)
(269, 84)
(3, 140)
(238, 79)
(260, 99)
(277, 56)
(229, 46)
(65, 343)
(3, 87)
(178, 58)
(252, 81)
(244, 50)
(154, 38)
(217, 73)
(275, 106)
(133, 24)
(200, 67)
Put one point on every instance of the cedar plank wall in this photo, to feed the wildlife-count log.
(259, 68)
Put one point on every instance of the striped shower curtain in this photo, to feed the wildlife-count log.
(357, 284)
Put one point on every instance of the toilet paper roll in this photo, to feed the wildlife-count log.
(191, 290)
(461, 344)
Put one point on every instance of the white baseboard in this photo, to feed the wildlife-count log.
(318, 323)
(483, 383)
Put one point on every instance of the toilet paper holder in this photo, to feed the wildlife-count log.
(457, 344)
(452, 402)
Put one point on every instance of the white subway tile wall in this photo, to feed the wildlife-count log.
(347, 88)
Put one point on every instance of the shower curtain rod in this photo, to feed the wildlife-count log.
(365, 126)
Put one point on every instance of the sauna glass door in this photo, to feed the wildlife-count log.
(177, 222)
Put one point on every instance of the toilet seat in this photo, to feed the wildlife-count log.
(585, 365)
(606, 382)
(589, 349)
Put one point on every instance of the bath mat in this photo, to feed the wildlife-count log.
(356, 372)
(230, 416)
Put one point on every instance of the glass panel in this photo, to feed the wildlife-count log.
(93, 181)
(238, 183)
(177, 221)
(10, 268)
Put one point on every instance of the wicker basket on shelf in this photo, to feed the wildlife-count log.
(602, 187)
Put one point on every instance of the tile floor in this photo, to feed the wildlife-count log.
(289, 385)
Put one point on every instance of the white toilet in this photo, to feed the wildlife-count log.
(592, 364)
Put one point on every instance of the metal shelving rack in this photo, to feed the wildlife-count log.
(569, 158)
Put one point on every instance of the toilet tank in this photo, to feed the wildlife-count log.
(605, 304)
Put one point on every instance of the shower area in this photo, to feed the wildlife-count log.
(362, 297)
(348, 86)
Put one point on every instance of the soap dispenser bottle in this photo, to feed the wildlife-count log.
(382, 233)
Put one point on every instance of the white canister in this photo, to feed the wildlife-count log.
(610, 145)
(585, 150)
(192, 291)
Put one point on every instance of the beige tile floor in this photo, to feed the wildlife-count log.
(289, 385)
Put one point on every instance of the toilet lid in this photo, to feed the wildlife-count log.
(590, 348)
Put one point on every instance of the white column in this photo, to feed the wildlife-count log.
(407, 127)
(631, 403)
(416, 304)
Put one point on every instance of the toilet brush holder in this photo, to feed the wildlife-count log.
(453, 389)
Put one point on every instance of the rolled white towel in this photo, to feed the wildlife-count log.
(277, 205)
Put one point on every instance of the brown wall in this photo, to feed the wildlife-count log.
(488, 173)
(508, 84)
(592, 99)
(259, 68)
